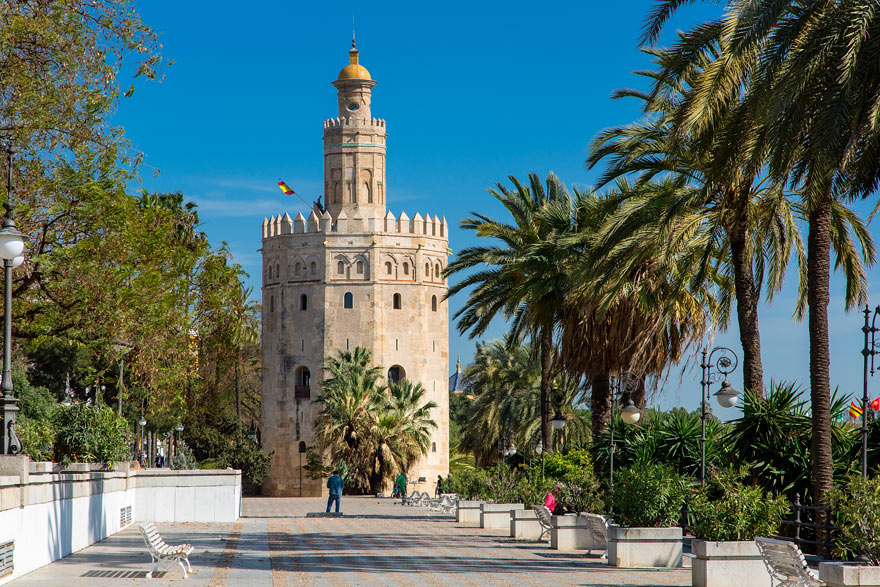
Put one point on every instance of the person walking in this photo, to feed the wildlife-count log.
(439, 489)
(400, 484)
(334, 484)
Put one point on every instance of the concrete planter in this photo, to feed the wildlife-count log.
(728, 564)
(840, 574)
(497, 515)
(468, 512)
(644, 547)
(524, 524)
(569, 533)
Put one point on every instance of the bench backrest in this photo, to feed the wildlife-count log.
(598, 527)
(543, 514)
(785, 561)
(152, 538)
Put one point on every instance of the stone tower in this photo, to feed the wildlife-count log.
(355, 275)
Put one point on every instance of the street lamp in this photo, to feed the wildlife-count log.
(727, 396)
(869, 350)
(558, 421)
(11, 248)
(179, 440)
(141, 423)
(624, 384)
(539, 448)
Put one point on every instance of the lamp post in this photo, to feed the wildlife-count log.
(625, 383)
(11, 251)
(179, 440)
(539, 448)
(727, 396)
(141, 423)
(869, 350)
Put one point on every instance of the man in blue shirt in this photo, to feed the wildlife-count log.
(334, 484)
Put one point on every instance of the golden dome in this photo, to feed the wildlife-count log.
(354, 70)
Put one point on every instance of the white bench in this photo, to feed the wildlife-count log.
(544, 518)
(598, 532)
(161, 552)
(785, 562)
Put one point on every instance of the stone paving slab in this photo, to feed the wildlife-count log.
(377, 542)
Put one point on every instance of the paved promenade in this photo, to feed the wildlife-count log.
(376, 543)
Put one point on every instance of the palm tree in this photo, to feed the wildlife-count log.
(510, 282)
(807, 74)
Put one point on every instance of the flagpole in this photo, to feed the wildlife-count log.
(868, 351)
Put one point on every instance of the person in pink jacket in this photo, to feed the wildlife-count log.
(557, 509)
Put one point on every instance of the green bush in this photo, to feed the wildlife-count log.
(37, 438)
(531, 489)
(469, 484)
(86, 434)
(580, 492)
(247, 454)
(858, 519)
(501, 484)
(727, 509)
(649, 496)
(559, 466)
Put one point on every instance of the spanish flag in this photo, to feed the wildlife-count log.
(854, 410)
(285, 188)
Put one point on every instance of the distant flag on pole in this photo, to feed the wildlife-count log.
(285, 188)
(875, 404)
(854, 410)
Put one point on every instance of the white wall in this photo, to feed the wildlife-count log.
(51, 512)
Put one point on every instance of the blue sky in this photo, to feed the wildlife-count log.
(471, 92)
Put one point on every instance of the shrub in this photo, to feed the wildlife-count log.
(580, 492)
(559, 466)
(246, 454)
(858, 519)
(531, 489)
(727, 509)
(501, 484)
(649, 496)
(469, 484)
(37, 438)
(86, 434)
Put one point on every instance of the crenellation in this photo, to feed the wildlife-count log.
(342, 222)
(390, 224)
(299, 224)
(286, 224)
(418, 224)
(312, 224)
(326, 222)
(403, 223)
(265, 228)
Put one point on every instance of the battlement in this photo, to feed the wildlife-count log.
(419, 225)
(352, 122)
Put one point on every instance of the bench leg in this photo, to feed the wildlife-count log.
(153, 569)
(186, 558)
(183, 568)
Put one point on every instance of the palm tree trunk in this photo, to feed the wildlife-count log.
(546, 337)
(600, 404)
(818, 277)
(747, 311)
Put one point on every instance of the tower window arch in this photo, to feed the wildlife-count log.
(271, 303)
(359, 267)
(302, 446)
(396, 374)
(405, 268)
(313, 268)
(433, 447)
(303, 302)
(388, 267)
(340, 268)
(433, 303)
(395, 301)
(437, 271)
(277, 271)
(427, 271)
(297, 269)
(348, 300)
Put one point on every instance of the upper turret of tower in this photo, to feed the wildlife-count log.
(354, 84)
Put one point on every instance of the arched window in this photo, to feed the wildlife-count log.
(433, 447)
(302, 381)
(396, 374)
(313, 268)
(303, 302)
(427, 271)
(277, 271)
(395, 301)
(406, 268)
(433, 303)
(271, 303)
(268, 273)
(348, 300)
(302, 446)
(359, 267)
(388, 267)
(303, 376)
(340, 268)
(297, 269)
(437, 271)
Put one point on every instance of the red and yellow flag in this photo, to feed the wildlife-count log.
(854, 410)
(875, 404)
(285, 188)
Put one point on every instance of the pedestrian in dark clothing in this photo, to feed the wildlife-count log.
(439, 489)
(334, 484)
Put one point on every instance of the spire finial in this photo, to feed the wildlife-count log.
(458, 365)
(353, 44)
